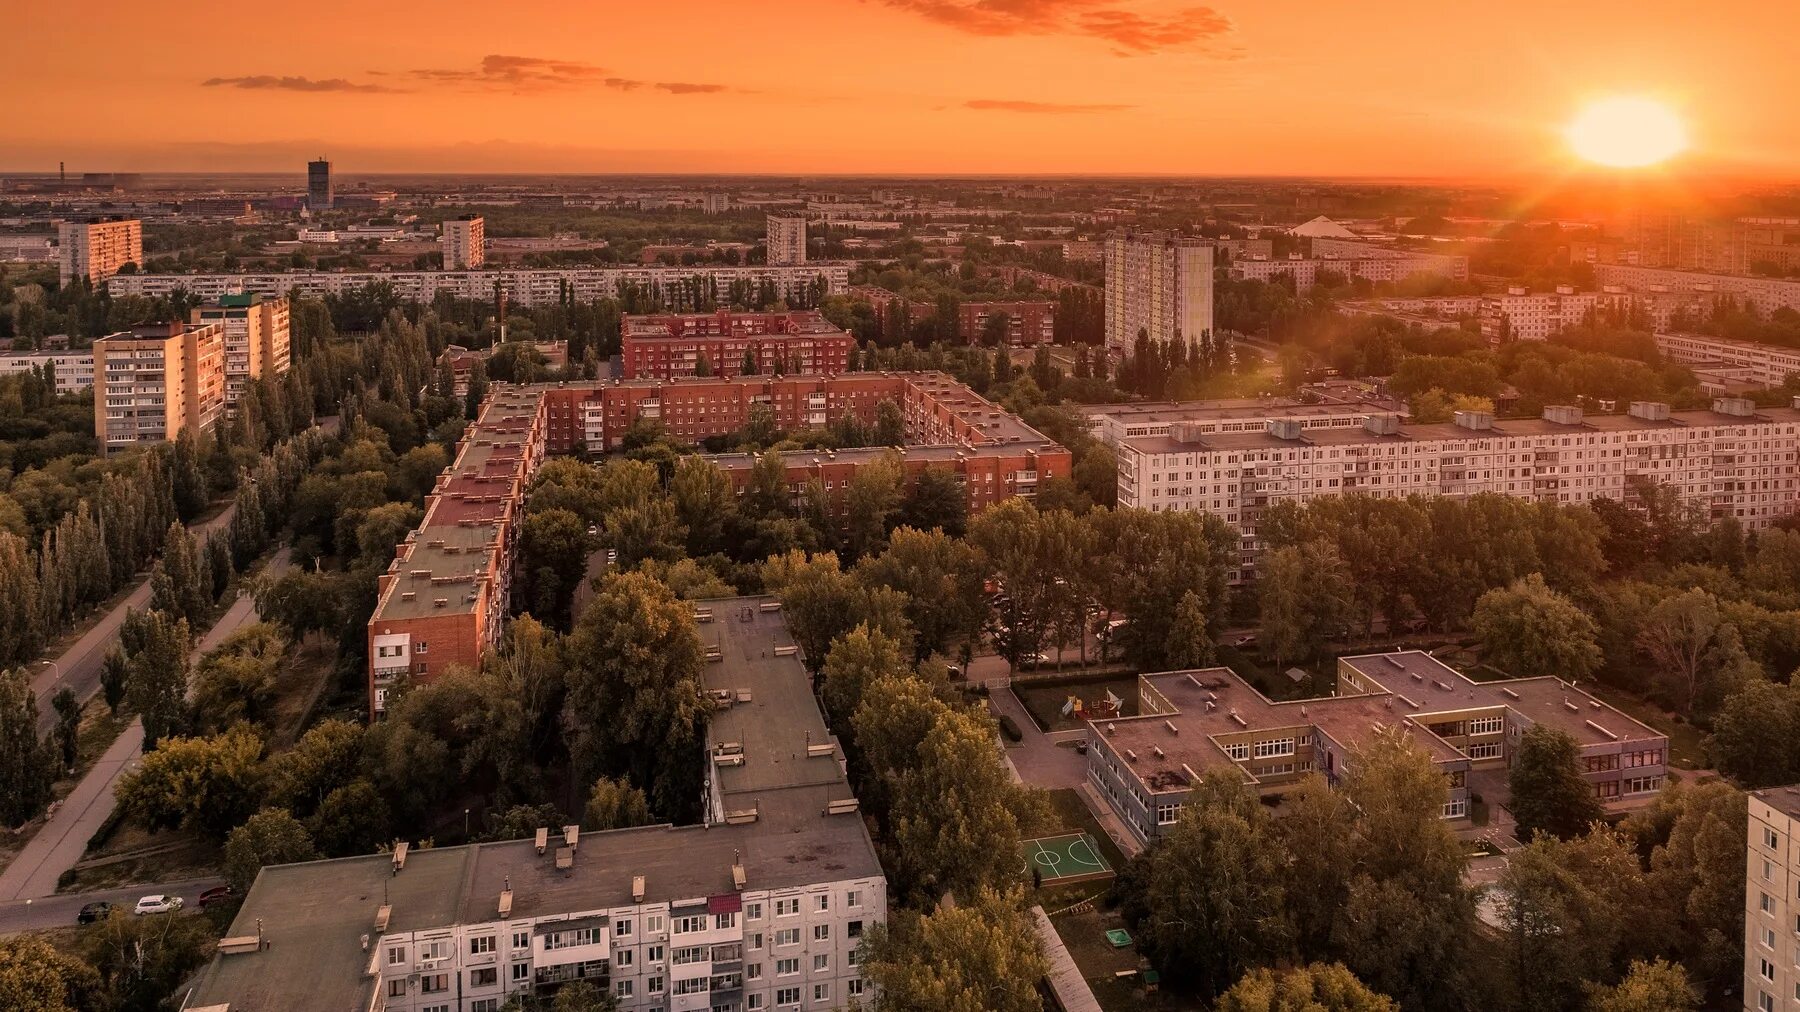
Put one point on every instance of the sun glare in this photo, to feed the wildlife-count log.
(1627, 132)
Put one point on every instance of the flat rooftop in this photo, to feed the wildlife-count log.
(1408, 689)
(1233, 408)
(1785, 800)
(1501, 429)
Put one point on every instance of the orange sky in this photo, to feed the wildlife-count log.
(1397, 87)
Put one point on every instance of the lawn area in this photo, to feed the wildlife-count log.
(1044, 699)
(1084, 935)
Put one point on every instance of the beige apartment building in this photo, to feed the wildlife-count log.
(465, 243)
(786, 240)
(256, 338)
(1734, 460)
(1772, 902)
(155, 381)
(97, 250)
(1159, 284)
(1767, 365)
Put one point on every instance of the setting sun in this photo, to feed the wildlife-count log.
(1627, 132)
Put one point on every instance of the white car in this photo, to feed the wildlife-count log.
(158, 904)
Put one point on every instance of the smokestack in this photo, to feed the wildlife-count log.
(62, 172)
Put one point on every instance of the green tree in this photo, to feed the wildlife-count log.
(615, 804)
(634, 690)
(1305, 598)
(935, 500)
(1318, 987)
(156, 686)
(34, 977)
(235, 681)
(1549, 793)
(1527, 629)
(68, 726)
(981, 955)
(1698, 867)
(115, 675)
(1657, 986)
(271, 836)
(855, 661)
(941, 576)
(1698, 656)
(703, 499)
(581, 996)
(1215, 903)
(1756, 734)
(1566, 908)
(327, 756)
(141, 961)
(1190, 646)
(353, 819)
(27, 765)
(208, 785)
(552, 559)
(870, 503)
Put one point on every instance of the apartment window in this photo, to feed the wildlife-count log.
(1487, 725)
(1768, 969)
(791, 996)
(691, 954)
(624, 988)
(486, 976)
(622, 928)
(787, 936)
(1484, 750)
(521, 972)
(1768, 939)
(821, 992)
(521, 940)
(421, 647)
(853, 898)
(1239, 751)
(854, 986)
(753, 911)
(622, 958)
(756, 939)
(397, 987)
(435, 1008)
(689, 925)
(821, 963)
(786, 967)
(1771, 839)
(485, 1005)
(653, 985)
(1167, 815)
(569, 939)
(481, 944)
(824, 902)
(1767, 903)
(787, 908)
(821, 932)
(853, 929)
(396, 955)
(754, 1002)
(653, 924)
(723, 921)
(654, 953)
(752, 971)
(434, 983)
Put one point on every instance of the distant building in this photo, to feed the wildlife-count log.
(73, 371)
(318, 185)
(666, 346)
(1158, 284)
(715, 203)
(465, 243)
(1027, 323)
(155, 381)
(256, 338)
(1772, 900)
(1764, 294)
(1767, 365)
(787, 239)
(1190, 723)
(97, 250)
(28, 248)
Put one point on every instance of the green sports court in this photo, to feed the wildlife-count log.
(1072, 857)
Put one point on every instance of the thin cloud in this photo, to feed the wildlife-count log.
(270, 82)
(535, 73)
(1015, 105)
(1129, 32)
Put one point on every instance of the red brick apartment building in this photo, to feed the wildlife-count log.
(1027, 323)
(666, 345)
(445, 595)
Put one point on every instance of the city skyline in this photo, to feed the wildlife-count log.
(906, 86)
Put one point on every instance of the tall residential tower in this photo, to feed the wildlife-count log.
(1159, 284)
(318, 185)
(787, 239)
(96, 250)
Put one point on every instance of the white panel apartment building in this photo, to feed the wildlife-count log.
(1766, 364)
(1453, 266)
(1772, 902)
(97, 250)
(1766, 294)
(786, 240)
(1735, 460)
(544, 287)
(74, 370)
(1160, 284)
(760, 909)
(464, 243)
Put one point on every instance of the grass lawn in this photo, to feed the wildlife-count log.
(1084, 935)
(1044, 700)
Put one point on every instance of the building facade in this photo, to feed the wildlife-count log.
(71, 371)
(786, 240)
(318, 185)
(97, 250)
(525, 287)
(760, 908)
(1190, 723)
(1027, 323)
(464, 243)
(1766, 365)
(1772, 901)
(1158, 284)
(664, 346)
(257, 338)
(1764, 294)
(1735, 460)
(155, 381)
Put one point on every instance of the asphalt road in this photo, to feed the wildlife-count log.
(79, 666)
(62, 840)
(60, 911)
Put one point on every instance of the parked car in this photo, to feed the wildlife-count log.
(217, 894)
(158, 904)
(92, 912)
